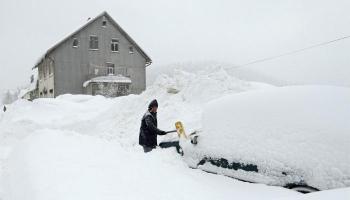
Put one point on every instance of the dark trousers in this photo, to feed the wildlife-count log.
(147, 149)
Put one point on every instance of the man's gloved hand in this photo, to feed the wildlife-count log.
(163, 132)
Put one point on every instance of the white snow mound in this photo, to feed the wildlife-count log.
(85, 147)
(297, 129)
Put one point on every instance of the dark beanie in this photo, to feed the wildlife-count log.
(153, 103)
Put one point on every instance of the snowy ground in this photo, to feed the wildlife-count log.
(82, 147)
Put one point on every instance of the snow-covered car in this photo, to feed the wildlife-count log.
(296, 137)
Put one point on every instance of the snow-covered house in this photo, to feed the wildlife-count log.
(98, 58)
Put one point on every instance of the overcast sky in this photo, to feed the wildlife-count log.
(233, 31)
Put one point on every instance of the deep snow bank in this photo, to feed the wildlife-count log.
(270, 72)
(56, 165)
(180, 96)
(84, 147)
(302, 129)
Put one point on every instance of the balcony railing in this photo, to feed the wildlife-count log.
(95, 71)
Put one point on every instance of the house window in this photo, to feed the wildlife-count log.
(40, 73)
(93, 43)
(75, 42)
(131, 49)
(110, 68)
(32, 79)
(51, 67)
(44, 70)
(104, 22)
(115, 45)
(51, 91)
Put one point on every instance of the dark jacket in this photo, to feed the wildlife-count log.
(149, 130)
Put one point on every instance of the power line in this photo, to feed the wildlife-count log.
(291, 52)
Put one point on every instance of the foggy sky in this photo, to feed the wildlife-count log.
(233, 31)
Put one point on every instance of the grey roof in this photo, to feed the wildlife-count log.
(143, 53)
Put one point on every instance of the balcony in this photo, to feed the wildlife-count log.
(96, 71)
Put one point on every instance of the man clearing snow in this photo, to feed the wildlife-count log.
(148, 129)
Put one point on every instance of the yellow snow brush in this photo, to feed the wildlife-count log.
(180, 130)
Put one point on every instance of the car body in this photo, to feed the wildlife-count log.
(296, 137)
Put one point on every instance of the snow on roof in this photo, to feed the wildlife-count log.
(108, 79)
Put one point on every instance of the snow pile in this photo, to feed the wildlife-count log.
(302, 131)
(55, 165)
(292, 72)
(115, 118)
(84, 147)
(203, 86)
(243, 73)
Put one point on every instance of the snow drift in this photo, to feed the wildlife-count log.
(300, 131)
(56, 165)
(84, 147)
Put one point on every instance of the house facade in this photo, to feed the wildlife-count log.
(100, 58)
